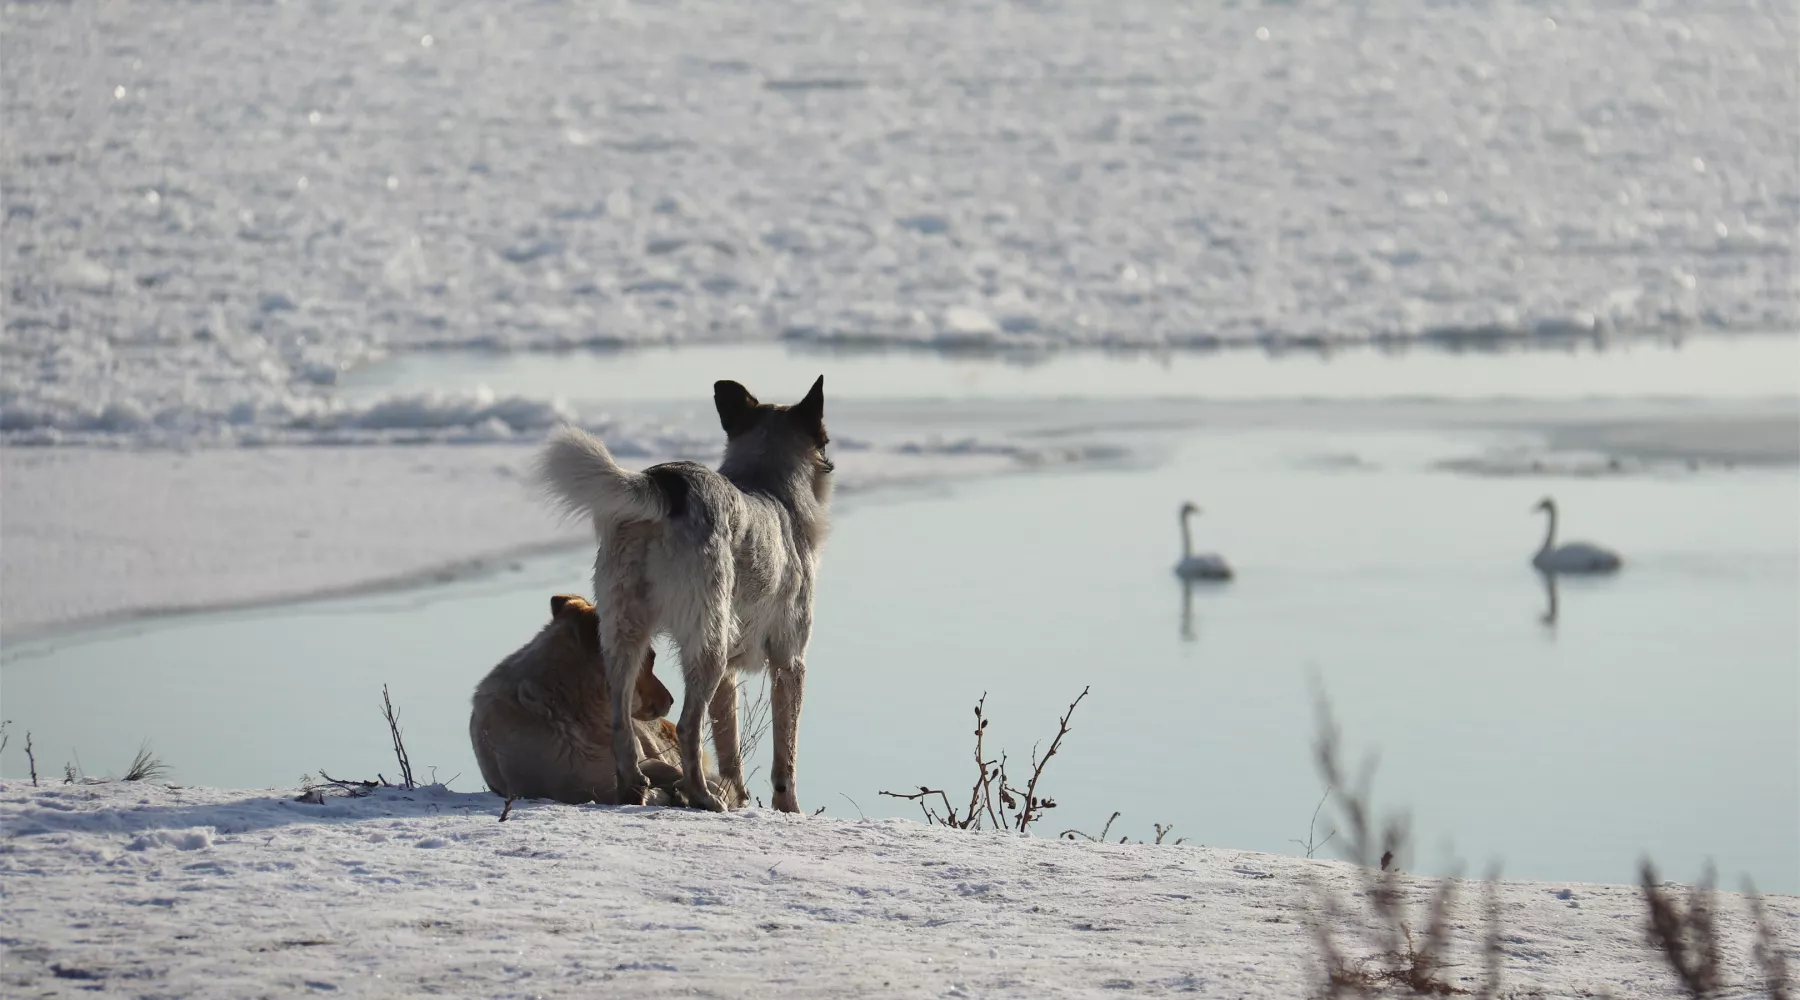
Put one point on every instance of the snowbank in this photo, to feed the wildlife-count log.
(210, 893)
(194, 239)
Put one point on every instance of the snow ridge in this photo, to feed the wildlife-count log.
(216, 893)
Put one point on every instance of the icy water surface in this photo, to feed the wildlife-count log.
(1659, 714)
(1745, 367)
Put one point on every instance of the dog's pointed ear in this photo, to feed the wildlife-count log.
(812, 408)
(558, 603)
(735, 405)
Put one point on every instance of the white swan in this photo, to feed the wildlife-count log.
(1575, 557)
(1198, 566)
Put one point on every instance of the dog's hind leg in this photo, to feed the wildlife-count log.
(701, 668)
(787, 682)
(626, 626)
(623, 651)
(725, 740)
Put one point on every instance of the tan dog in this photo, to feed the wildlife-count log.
(541, 725)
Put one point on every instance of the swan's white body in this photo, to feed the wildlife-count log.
(1574, 557)
(1198, 565)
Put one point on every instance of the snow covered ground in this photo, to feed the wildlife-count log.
(162, 892)
(213, 211)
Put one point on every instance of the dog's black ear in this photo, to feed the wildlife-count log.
(737, 408)
(811, 410)
(558, 603)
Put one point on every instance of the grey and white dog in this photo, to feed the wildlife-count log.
(723, 562)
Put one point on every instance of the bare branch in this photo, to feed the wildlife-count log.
(1101, 839)
(393, 721)
(1766, 949)
(1310, 845)
(992, 798)
(1033, 806)
(1688, 942)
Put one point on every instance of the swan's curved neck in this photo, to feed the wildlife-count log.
(1550, 532)
(1187, 539)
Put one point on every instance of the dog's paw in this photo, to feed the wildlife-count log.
(733, 794)
(634, 789)
(786, 801)
(699, 796)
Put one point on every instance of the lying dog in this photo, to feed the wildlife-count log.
(723, 562)
(542, 726)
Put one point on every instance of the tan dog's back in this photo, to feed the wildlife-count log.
(541, 724)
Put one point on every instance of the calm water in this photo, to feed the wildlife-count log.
(1733, 368)
(1660, 714)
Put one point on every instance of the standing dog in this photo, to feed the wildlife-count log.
(724, 562)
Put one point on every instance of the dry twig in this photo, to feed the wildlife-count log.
(1766, 949)
(1688, 941)
(992, 797)
(1399, 959)
(393, 721)
(1311, 845)
(315, 791)
(753, 716)
(1162, 833)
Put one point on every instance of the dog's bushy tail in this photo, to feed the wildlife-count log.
(580, 477)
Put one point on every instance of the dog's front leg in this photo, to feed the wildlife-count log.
(725, 739)
(787, 683)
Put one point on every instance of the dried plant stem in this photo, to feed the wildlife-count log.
(1310, 845)
(1688, 941)
(1033, 805)
(393, 721)
(1398, 959)
(1766, 950)
(145, 766)
(992, 797)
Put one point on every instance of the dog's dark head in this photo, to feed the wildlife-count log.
(783, 435)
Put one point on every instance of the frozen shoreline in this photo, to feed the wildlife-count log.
(93, 536)
(97, 535)
(219, 893)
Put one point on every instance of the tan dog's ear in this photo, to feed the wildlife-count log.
(653, 700)
(564, 604)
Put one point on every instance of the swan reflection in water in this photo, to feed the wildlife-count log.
(1550, 600)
